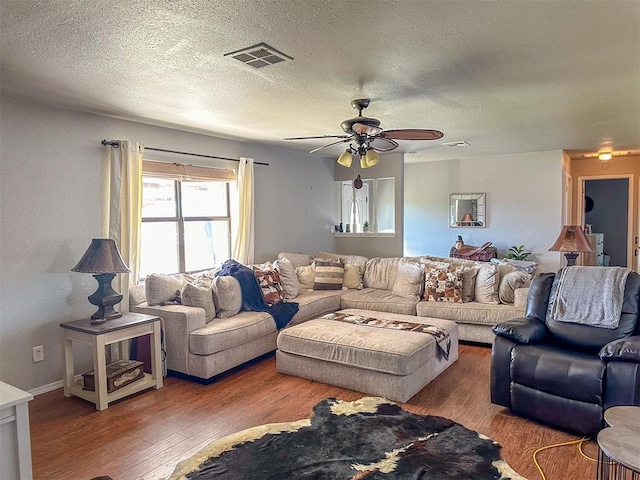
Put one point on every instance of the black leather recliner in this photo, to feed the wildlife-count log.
(566, 374)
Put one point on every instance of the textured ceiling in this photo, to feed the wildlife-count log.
(505, 76)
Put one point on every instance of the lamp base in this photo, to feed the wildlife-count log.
(105, 297)
(571, 258)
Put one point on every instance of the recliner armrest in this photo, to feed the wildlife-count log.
(624, 349)
(522, 330)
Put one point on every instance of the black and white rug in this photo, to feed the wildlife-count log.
(370, 438)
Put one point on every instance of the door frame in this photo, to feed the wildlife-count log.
(630, 200)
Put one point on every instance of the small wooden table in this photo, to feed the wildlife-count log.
(619, 444)
(130, 325)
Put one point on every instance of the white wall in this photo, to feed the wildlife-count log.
(524, 204)
(50, 188)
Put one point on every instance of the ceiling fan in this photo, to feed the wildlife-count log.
(366, 138)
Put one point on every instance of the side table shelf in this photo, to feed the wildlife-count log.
(130, 325)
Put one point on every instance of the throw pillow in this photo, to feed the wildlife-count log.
(200, 294)
(227, 296)
(487, 284)
(469, 275)
(288, 278)
(380, 273)
(443, 285)
(352, 276)
(296, 259)
(329, 274)
(510, 282)
(409, 279)
(161, 289)
(270, 287)
(306, 276)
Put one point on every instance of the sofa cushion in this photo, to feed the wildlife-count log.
(352, 259)
(288, 278)
(314, 303)
(226, 333)
(269, 283)
(510, 282)
(227, 296)
(296, 259)
(488, 284)
(199, 293)
(161, 289)
(306, 276)
(328, 275)
(409, 279)
(443, 285)
(379, 301)
(353, 276)
(471, 312)
(380, 273)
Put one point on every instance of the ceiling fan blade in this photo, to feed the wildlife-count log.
(413, 134)
(362, 129)
(331, 144)
(381, 144)
(318, 136)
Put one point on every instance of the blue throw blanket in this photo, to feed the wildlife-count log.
(252, 300)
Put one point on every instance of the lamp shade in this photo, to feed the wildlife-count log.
(371, 158)
(571, 239)
(345, 159)
(102, 256)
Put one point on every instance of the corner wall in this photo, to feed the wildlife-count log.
(524, 204)
(50, 187)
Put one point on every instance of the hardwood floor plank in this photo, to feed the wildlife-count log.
(144, 436)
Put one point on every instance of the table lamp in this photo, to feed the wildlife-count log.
(572, 240)
(103, 258)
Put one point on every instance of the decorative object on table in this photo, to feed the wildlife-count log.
(103, 258)
(367, 438)
(119, 374)
(572, 241)
(483, 253)
(516, 252)
(467, 210)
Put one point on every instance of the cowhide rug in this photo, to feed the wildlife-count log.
(370, 439)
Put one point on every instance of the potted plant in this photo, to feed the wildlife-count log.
(517, 253)
(365, 226)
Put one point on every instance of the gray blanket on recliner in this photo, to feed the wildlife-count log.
(590, 296)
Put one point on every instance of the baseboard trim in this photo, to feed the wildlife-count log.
(50, 387)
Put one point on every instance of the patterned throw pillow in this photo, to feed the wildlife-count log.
(329, 274)
(269, 281)
(443, 285)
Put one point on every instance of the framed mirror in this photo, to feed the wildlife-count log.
(467, 210)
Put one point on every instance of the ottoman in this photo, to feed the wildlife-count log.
(395, 364)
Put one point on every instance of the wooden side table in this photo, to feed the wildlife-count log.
(130, 325)
(619, 443)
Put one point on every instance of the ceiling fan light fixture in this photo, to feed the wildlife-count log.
(345, 158)
(371, 158)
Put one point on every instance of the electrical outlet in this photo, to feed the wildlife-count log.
(38, 354)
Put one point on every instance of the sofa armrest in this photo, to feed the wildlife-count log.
(623, 350)
(522, 330)
(179, 322)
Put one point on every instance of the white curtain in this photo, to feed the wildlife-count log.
(243, 244)
(122, 219)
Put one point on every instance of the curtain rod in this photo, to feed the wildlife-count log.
(114, 144)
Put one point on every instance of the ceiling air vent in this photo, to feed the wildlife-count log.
(259, 55)
(461, 143)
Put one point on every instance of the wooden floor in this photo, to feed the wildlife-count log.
(146, 435)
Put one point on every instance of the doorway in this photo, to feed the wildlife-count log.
(606, 204)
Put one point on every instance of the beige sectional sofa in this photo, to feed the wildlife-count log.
(203, 346)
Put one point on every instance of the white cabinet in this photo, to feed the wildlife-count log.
(15, 440)
(597, 256)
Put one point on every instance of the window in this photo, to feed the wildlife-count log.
(186, 224)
